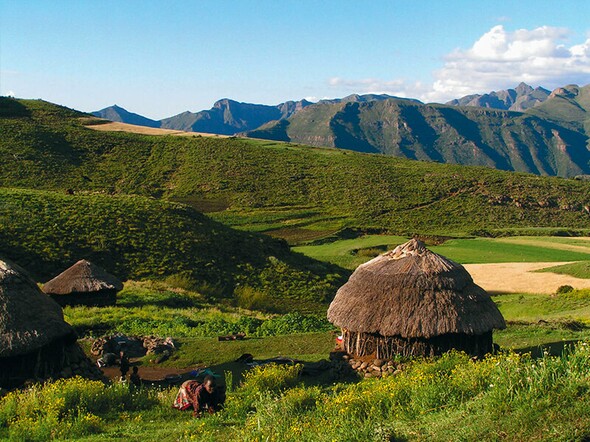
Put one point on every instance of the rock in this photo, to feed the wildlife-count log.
(378, 362)
(364, 365)
(368, 375)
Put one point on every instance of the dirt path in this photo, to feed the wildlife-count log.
(518, 277)
(124, 127)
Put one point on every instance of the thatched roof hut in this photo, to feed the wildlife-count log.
(84, 284)
(412, 301)
(32, 329)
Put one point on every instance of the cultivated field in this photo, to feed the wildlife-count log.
(114, 126)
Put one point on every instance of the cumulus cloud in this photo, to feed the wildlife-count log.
(499, 59)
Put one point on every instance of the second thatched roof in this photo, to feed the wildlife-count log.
(29, 319)
(82, 277)
(413, 292)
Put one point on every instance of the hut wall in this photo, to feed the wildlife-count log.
(92, 299)
(386, 347)
(43, 363)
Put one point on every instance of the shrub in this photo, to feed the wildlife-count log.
(564, 289)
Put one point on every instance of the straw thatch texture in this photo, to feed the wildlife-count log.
(413, 294)
(84, 283)
(29, 319)
(82, 277)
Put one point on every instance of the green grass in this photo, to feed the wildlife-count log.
(527, 249)
(349, 253)
(451, 398)
(576, 269)
(211, 352)
(139, 237)
(344, 253)
(272, 186)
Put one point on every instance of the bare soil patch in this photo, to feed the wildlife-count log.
(519, 277)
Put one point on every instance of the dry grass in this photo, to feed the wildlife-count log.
(124, 127)
(520, 277)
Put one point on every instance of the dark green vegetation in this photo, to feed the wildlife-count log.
(290, 191)
(550, 140)
(138, 237)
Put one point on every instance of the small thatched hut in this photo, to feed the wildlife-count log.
(84, 284)
(411, 301)
(35, 341)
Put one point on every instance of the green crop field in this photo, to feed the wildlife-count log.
(576, 269)
(349, 253)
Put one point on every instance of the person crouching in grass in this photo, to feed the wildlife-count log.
(203, 397)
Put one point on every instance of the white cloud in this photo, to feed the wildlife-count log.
(499, 59)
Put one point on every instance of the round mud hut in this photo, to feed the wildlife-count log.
(84, 284)
(35, 341)
(413, 302)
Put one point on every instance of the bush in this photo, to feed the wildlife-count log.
(564, 289)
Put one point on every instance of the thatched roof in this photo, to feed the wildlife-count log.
(413, 292)
(29, 319)
(82, 277)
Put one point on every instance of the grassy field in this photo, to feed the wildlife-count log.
(576, 269)
(349, 253)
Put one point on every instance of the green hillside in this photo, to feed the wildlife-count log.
(138, 237)
(295, 192)
(447, 134)
(569, 106)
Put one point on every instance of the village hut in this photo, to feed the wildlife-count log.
(84, 284)
(35, 341)
(411, 301)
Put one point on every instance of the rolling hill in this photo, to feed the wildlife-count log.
(137, 237)
(294, 192)
(448, 134)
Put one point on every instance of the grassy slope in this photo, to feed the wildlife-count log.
(576, 269)
(139, 237)
(270, 186)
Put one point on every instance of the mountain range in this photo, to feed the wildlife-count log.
(521, 129)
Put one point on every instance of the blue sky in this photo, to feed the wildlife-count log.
(160, 58)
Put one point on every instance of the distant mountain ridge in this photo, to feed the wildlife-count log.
(518, 99)
(551, 136)
(118, 114)
(542, 142)
(229, 117)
